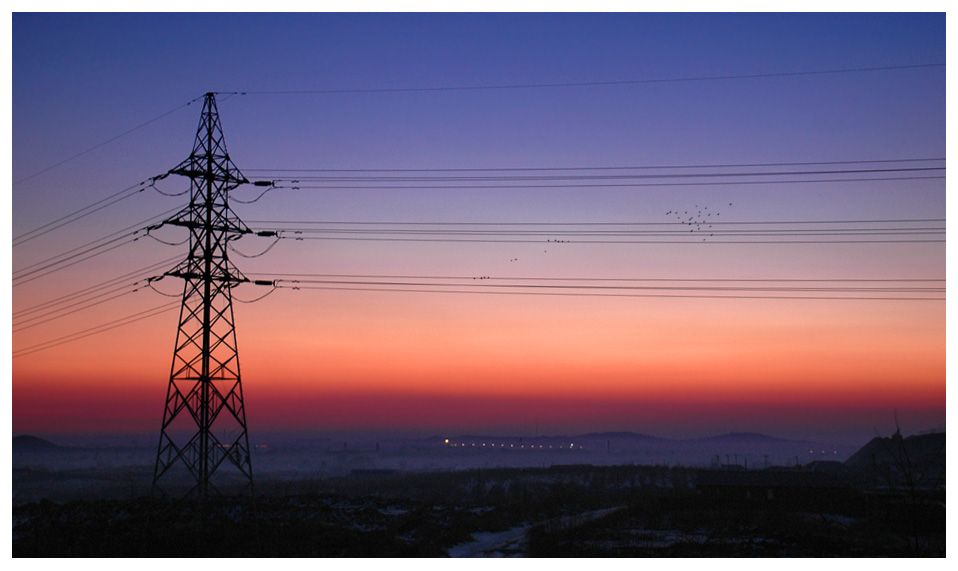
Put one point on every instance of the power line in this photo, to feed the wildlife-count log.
(142, 272)
(693, 240)
(53, 260)
(275, 241)
(139, 187)
(595, 279)
(629, 176)
(107, 142)
(139, 226)
(91, 247)
(620, 287)
(72, 308)
(589, 294)
(365, 234)
(62, 264)
(588, 83)
(603, 168)
(713, 288)
(687, 231)
(87, 210)
(623, 233)
(581, 223)
(103, 297)
(80, 213)
(294, 186)
(70, 303)
(103, 327)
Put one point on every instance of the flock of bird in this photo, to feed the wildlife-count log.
(700, 218)
(698, 221)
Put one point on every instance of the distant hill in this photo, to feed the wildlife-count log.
(618, 436)
(593, 436)
(28, 443)
(746, 437)
(920, 450)
(635, 438)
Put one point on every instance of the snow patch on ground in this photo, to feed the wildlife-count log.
(493, 544)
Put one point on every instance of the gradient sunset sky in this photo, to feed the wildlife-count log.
(430, 111)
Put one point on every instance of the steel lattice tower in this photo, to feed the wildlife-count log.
(204, 421)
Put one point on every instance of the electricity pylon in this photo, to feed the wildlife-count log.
(204, 421)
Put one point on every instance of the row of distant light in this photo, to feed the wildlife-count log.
(493, 445)
(540, 446)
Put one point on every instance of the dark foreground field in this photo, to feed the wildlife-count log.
(563, 511)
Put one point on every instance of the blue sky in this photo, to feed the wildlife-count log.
(81, 79)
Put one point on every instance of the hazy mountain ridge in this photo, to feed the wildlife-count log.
(746, 437)
(30, 443)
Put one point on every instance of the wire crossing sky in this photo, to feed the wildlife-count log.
(683, 224)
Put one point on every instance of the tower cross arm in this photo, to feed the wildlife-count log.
(195, 171)
(230, 227)
(187, 275)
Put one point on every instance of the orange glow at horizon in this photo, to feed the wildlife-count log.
(380, 359)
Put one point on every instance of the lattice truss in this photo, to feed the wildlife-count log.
(204, 443)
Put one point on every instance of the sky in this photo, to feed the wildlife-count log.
(538, 131)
